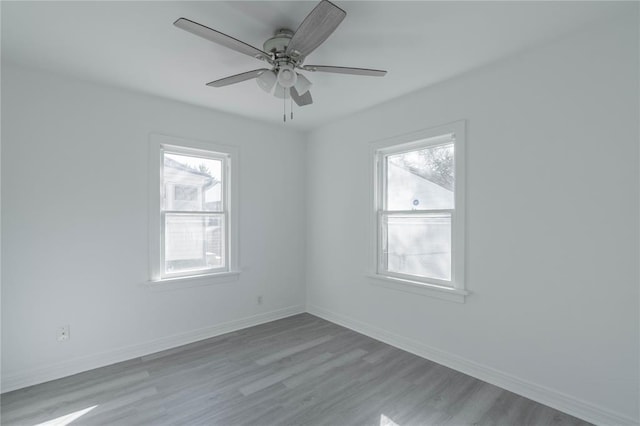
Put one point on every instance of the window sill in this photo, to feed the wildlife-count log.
(423, 289)
(192, 281)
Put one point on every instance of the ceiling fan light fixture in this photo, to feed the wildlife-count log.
(267, 80)
(302, 84)
(287, 77)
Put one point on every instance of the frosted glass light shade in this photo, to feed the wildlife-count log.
(281, 92)
(267, 80)
(302, 84)
(287, 76)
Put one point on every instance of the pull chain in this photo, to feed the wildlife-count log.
(284, 104)
(291, 106)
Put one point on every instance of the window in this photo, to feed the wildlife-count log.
(419, 209)
(193, 225)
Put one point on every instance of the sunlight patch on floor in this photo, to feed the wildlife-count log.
(386, 421)
(66, 419)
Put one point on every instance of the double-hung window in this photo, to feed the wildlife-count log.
(419, 208)
(194, 224)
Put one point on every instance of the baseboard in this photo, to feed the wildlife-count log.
(552, 398)
(21, 379)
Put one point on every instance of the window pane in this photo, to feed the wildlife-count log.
(192, 183)
(194, 243)
(421, 180)
(418, 245)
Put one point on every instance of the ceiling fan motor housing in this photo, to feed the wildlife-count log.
(278, 43)
(284, 64)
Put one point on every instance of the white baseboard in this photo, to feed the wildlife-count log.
(21, 379)
(538, 393)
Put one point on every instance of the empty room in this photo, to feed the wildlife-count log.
(384, 213)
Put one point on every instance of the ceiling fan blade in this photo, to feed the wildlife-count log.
(221, 38)
(316, 28)
(301, 100)
(237, 78)
(345, 70)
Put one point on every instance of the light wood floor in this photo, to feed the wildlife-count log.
(298, 370)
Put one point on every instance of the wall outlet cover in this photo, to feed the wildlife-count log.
(63, 333)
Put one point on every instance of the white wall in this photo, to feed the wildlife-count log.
(552, 224)
(75, 233)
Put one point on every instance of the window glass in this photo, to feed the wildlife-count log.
(193, 243)
(418, 245)
(192, 183)
(421, 179)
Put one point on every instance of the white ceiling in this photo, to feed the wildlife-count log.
(135, 46)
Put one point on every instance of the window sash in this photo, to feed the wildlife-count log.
(382, 245)
(203, 271)
(382, 164)
(198, 153)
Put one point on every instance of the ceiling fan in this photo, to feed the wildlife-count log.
(285, 52)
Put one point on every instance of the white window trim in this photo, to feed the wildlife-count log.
(231, 272)
(427, 287)
(225, 159)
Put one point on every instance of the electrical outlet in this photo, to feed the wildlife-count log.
(259, 300)
(63, 333)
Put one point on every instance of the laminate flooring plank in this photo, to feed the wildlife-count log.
(312, 397)
(433, 407)
(264, 400)
(91, 388)
(292, 350)
(412, 397)
(371, 392)
(530, 413)
(220, 388)
(34, 394)
(119, 403)
(474, 407)
(299, 370)
(283, 374)
(380, 354)
(325, 368)
(110, 401)
(316, 399)
(191, 347)
(241, 409)
(260, 348)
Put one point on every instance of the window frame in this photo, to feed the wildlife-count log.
(159, 144)
(453, 290)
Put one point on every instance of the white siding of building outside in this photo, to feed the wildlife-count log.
(417, 188)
